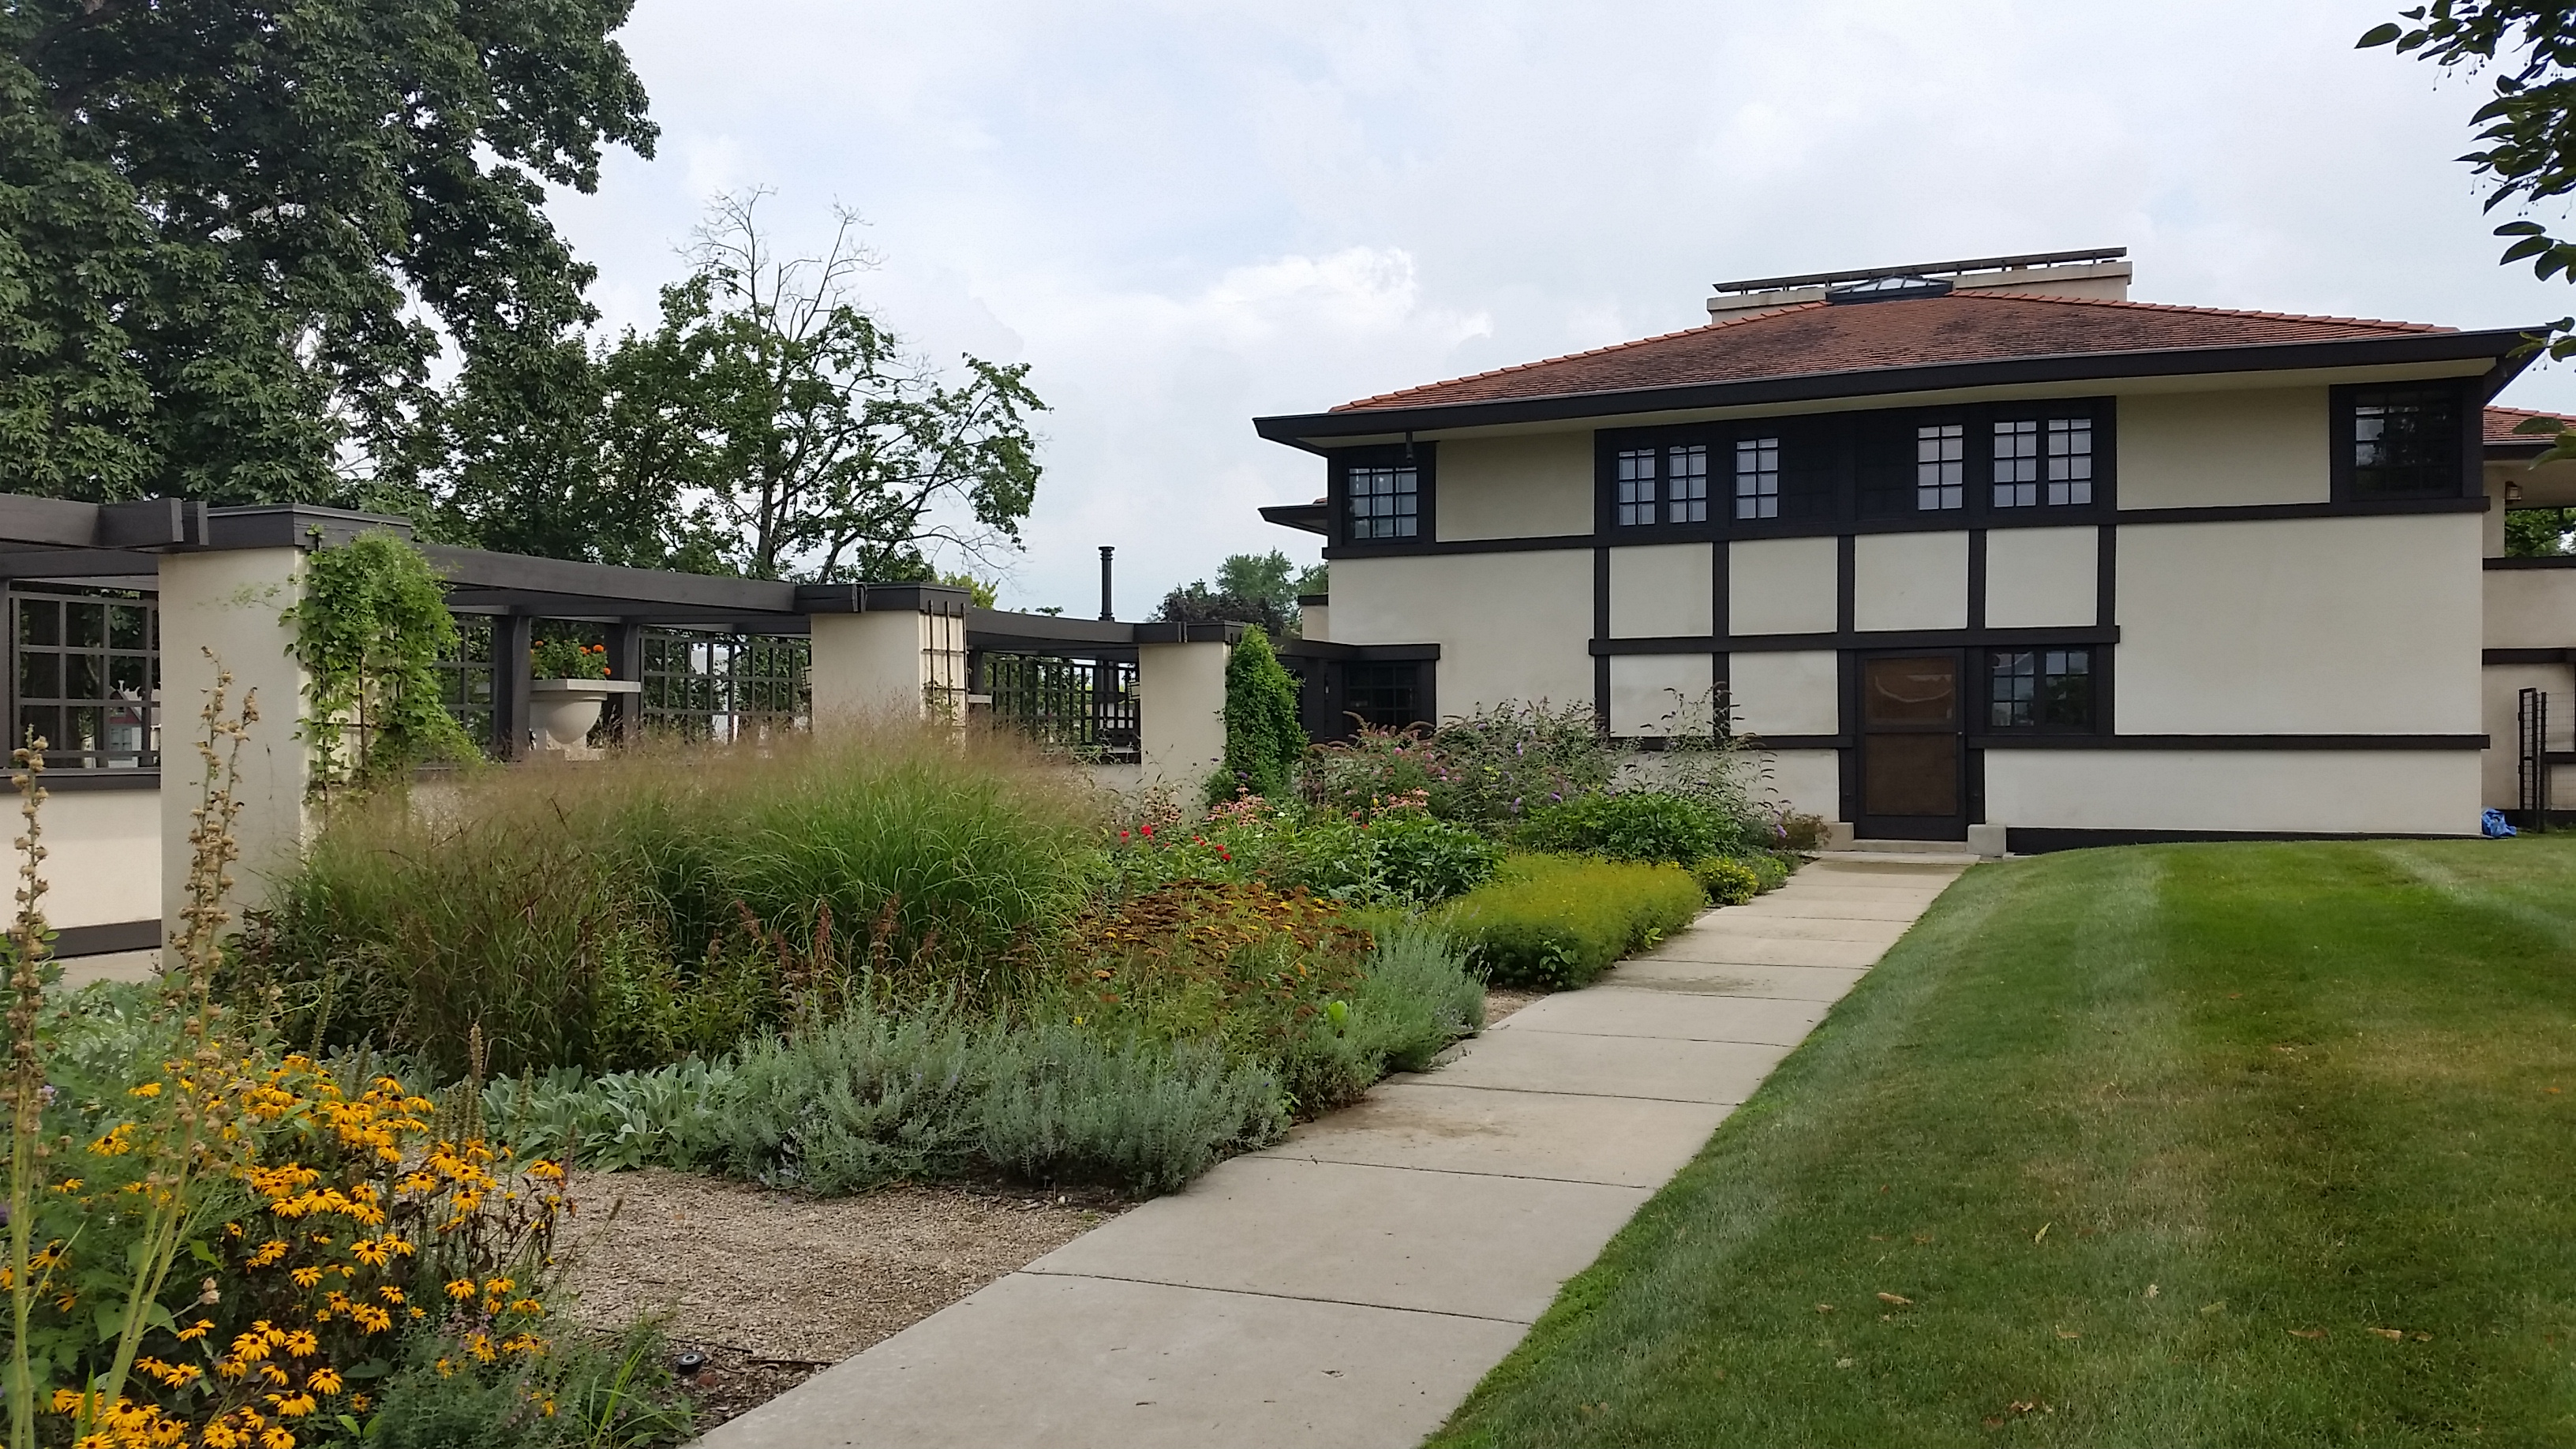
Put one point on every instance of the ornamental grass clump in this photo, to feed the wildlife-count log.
(632, 911)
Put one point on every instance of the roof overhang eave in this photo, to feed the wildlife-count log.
(1312, 430)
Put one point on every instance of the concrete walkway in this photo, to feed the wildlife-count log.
(1349, 1286)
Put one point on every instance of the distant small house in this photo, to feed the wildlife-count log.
(1979, 544)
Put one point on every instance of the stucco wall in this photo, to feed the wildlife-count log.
(2397, 792)
(1661, 591)
(232, 602)
(1781, 586)
(1510, 626)
(1788, 692)
(103, 854)
(2501, 686)
(1532, 486)
(2300, 626)
(2199, 449)
(2039, 577)
(1660, 694)
(1180, 705)
(2530, 608)
(1806, 782)
(1910, 581)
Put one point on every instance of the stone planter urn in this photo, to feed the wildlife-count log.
(563, 711)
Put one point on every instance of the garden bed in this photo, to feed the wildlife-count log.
(773, 1286)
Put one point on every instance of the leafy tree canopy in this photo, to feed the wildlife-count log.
(231, 231)
(770, 426)
(1250, 588)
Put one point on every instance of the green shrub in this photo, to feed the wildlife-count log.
(1392, 856)
(1771, 871)
(1636, 825)
(1486, 770)
(1729, 880)
(1560, 921)
(1264, 738)
(1416, 858)
(1145, 1097)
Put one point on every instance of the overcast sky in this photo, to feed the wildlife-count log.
(1183, 215)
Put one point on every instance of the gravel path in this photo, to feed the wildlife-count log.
(771, 1286)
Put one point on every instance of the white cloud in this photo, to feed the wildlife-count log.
(1185, 214)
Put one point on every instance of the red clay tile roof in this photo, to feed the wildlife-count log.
(1820, 337)
(2501, 422)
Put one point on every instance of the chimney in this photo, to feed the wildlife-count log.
(1105, 551)
(2101, 273)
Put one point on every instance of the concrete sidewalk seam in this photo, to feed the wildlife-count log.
(1635, 1036)
(1599, 1096)
(1284, 1297)
(1280, 1155)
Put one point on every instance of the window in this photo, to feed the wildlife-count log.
(1757, 478)
(1636, 487)
(2040, 689)
(1940, 467)
(1686, 484)
(88, 676)
(2405, 442)
(2070, 461)
(1662, 485)
(2043, 460)
(1383, 693)
(1385, 502)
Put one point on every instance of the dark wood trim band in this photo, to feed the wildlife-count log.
(1544, 543)
(2527, 656)
(103, 940)
(1796, 742)
(77, 782)
(2275, 512)
(2564, 561)
(2227, 742)
(1855, 639)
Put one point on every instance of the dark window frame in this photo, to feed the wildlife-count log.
(1826, 485)
(1423, 458)
(64, 751)
(2467, 454)
(2096, 673)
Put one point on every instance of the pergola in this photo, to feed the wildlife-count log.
(121, 545)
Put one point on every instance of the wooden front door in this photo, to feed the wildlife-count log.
(1913, 756)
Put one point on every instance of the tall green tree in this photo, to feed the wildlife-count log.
(233, 232)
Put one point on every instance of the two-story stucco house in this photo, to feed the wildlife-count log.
(1974, 544)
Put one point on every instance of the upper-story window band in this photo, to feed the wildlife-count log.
(1757, 478)
(1940, 466)
(1385, 502)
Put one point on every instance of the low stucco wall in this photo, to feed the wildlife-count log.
(103, 855)
(2363, 792)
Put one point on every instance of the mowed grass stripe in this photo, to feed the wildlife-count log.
(2159, 1144)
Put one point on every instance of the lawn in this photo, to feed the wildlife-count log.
(2206, 1144)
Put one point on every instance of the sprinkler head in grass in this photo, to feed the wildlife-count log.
(689, 1363)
